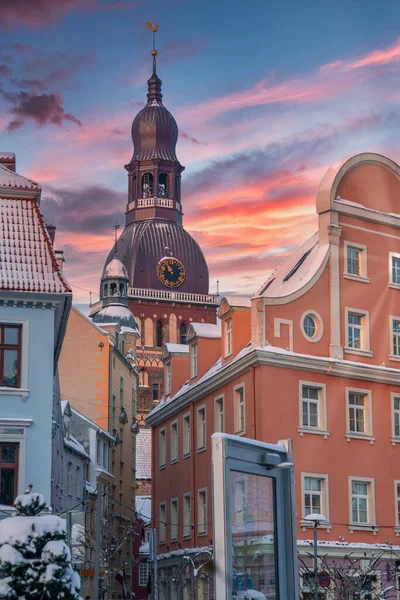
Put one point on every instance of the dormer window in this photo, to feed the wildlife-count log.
(147, 185)
(163, 185)
(193, 360)
(228, 337)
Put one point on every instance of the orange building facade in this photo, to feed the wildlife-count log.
(314, 357)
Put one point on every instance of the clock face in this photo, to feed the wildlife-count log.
(171, 272)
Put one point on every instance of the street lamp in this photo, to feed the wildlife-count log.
(316, 519)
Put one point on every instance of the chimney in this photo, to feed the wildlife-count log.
(7, 159)
(60, 258)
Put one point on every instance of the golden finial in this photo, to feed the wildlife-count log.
(154, 29)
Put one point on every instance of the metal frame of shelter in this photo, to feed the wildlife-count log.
(254, 461)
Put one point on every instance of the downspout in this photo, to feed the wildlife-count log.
(192, 473)
(253, 398)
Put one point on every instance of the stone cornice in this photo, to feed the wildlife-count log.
(259, 356)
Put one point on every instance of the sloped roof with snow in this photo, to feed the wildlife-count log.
(297, 271)
(205, 330)
(7, 156)
(27, 259)
(143, 454)
(176, 348)
(9, 179)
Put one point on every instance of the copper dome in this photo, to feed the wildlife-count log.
(143, 244)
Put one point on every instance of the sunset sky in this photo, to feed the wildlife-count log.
(266, 95)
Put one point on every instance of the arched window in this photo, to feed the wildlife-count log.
(182, 333)
(143, 378)
(105, 290)
(121, 289)
(113, 289)
(159, 336)
(163, 185)
(147, 185)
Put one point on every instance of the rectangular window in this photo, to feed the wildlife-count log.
(395, 336)
(187, 516)
(193, 362)
(143, 574)
(163, 447)
(186, 435)
(202, 511)
(167, 379)
(312, 495)
(357, 412)
(201, 428)
(396, 416)
(397, 501)
(219, 414)
(98, 452)
(69, 478)
(155, 392)
(174, 441)
(310, 401)
(10, 355)
(353, 260)
(8, 473)
(162, 525)
(360, 500)
(174, 519)
(106, 456)
(394, 268)
(239, 409)
(354, 330)
(228, 337)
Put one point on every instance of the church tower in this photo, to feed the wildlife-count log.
(167, 272)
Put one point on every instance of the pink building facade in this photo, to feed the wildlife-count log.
(315, 358)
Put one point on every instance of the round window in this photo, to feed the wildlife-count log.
(309, 326)
(312, 326)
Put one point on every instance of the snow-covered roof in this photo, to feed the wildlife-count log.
(297, 271)
(9, 179)
(143, 454)
(90, 422)
(119, 314)
(176, 348)
(237, 301)
(27, 259)
(7, 156)
(115, 268)
(205, 330)
(143, 507)
(76, 446)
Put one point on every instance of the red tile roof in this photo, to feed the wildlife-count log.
(27, 260)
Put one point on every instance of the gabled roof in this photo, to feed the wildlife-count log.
(27, 259)
(9, 179)
(204, 330)
(174, 349)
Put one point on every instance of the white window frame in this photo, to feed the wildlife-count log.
(368, 421)
(162, 528)
(174, 442)
(187, 518)
(168, 379)
(23, 390)
(237, 410)
(392, 355)
(392, 284)
(162, 443)
(322, 412)
(174, 526)
(193, 361)
(140, 573)
(201, 447)
(363, 261)
(319, 326)
(371, 513)
(365, 337)
(199, 523)
(324, 499)
(228, 337)
(395, 438)
(186, 435)
(218, 402)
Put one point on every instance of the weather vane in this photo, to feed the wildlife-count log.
(154, 29)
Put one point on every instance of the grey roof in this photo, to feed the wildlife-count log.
(143, 454)
(116, 313)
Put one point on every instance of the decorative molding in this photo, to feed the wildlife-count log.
(334, 234)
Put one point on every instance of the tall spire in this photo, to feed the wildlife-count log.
(154, 83)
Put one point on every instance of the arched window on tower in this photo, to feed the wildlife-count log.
(163, 185)
(105, 290)
(143, 378)
(113, 289)
(147, 185)
(121, 289)
(182, 333)
(159, 336)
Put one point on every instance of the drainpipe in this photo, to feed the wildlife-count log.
(193, 466)
(253, 397)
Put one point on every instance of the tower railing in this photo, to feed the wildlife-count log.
(149, 202)
(174, 296)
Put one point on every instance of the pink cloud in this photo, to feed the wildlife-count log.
(375, 58)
